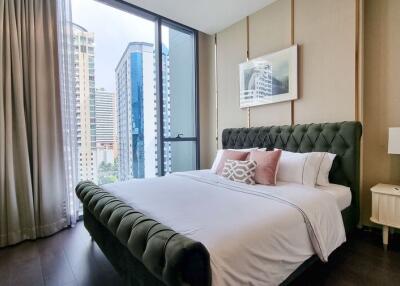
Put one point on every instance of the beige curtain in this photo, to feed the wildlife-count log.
(32, 194)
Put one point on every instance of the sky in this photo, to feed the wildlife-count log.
(113, 29)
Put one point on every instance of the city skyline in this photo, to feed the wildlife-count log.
(139, 156)
(105, 118)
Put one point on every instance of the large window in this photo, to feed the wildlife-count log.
(179, 98)
(135, 92)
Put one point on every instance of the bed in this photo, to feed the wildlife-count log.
(196, 228)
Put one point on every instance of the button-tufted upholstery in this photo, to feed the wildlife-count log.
(341, 138)
(171, 257)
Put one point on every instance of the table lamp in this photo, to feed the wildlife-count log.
(394, 143)
(394, 140)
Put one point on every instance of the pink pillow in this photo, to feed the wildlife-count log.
(230, 155)
(267, 166)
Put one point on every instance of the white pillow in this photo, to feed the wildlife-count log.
(219, 156)
(291, 167)
(216, 160)
(312, 167)
(325, 168)
(301, 168)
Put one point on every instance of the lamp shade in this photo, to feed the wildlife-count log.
(394, 140)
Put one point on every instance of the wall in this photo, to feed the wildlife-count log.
(325, 32)
(207, 100)
(381, 94)
(270, 31)
(231, 50)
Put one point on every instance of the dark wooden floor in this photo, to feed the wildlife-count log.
(70, 258)
(360, 261)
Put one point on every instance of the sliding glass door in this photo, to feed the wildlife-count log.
(135, 92)
(179, 104)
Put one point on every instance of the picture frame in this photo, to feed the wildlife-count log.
(269, 79)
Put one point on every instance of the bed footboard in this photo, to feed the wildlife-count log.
(167, 256)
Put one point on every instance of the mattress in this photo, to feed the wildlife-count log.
(255, 235)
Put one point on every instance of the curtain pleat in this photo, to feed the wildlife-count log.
(68, 107)
(32, 176)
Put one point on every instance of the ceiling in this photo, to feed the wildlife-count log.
(208, 16)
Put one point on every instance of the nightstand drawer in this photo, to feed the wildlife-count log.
(386, 209)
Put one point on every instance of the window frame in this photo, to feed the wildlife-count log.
(159, 21)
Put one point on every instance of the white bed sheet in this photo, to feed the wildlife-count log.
(251, 240)
(341, 193)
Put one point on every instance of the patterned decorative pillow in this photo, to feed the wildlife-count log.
(240, 171)
(230, 155)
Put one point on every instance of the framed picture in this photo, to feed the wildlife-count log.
(269, 79)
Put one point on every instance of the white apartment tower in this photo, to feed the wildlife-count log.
(105, 116)
(105, 112)
(83, 42)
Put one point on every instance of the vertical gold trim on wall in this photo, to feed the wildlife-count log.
(216, 89)
(292, 43)
(247, 38)
(359, 91)
(248, 117)
(247, 59)
(357, 62)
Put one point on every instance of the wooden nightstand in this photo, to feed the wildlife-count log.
(386, 208)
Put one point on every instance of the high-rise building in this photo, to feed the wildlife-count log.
(105, 113)
(137, 110)
(83, 42)
(105, 116)
(135, 89)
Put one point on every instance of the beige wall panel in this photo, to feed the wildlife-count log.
(270, 31)
(231, 51)
(381, 95)
(207, 100)
(325, 31)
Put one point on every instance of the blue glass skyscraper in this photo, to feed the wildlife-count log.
(137, 110)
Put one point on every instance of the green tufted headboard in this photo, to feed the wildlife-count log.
(342, 139)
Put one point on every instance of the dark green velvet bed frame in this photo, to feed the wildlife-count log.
(146, 252)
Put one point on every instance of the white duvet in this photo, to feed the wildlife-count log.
(255, 235)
